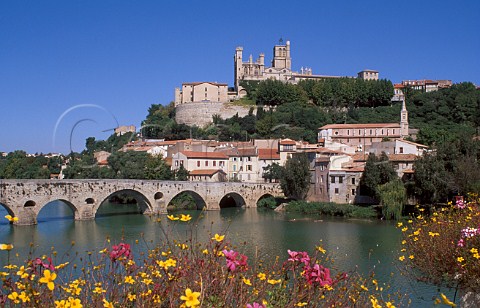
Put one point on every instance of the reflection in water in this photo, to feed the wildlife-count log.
(365, 245)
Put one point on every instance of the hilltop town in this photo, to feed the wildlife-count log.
(337, 148)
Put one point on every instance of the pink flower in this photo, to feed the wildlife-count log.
(300, 256)
(461, 243)
(48, 265)
(234, 260)
(120, 250)
(255, 305)
(318, 274)
(460, 204)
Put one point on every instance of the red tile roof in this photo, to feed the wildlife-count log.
(268, 154)
(402, 157)
(360, 126)
(205, 155)
(209, 172)
(287, 142)
(200, 82)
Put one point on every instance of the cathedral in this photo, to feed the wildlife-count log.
(280, 69)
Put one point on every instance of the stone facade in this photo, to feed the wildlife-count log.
(201, 92)
(201, 113)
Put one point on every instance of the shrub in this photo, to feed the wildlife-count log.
(444, 248)
(331, 209)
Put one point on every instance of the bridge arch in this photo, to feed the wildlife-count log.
(197, 198)
(68, 203)
(232, 199)
(143, 203)
(8, 210)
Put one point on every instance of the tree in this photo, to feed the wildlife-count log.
(378, 171)
(393, 197)
(295, 180)
(181, 174)
(272, 172)
(157, 169)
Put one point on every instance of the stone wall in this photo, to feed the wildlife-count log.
(201, 113)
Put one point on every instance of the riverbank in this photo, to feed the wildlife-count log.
(331, 209)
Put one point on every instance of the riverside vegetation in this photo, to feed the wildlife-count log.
(185, 273)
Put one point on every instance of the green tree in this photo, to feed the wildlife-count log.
(273, 172)
(378, 171)
(393, 197)
(181, 174)
(295, 180)
(157, 169)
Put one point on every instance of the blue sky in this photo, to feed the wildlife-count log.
(99, 63)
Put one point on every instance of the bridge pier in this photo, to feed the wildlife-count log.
(26, 217)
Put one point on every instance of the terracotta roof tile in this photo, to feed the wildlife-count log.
(360, 126)
(268, 154)
(209, 172)
(206, 155)
(287, 142)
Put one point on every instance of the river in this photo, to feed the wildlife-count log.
(362, 244)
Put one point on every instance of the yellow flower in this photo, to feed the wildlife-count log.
(321, 249)
(460, 259)
(401, 258)
(185, 217)
(99, 290)
(273, 281)
(301, 304)
(129, 280)
(73, 303)
(218, 238)
(364, 288)
(107, 304)
(60, 266)
(48, 278)
(60, 304)
(404, 242)
(171, 217)
(14, 297)
(446, 301)
(261, 276)
(390, 305)
(205, 251)
(190, 298)
(131, 297)
(404, 229)
(246, 281)
(374, 302)
(399, 224)
(433, 234)
(21, 272)
(411, 257)
(6, 246)
(10, 218)
(474, 250)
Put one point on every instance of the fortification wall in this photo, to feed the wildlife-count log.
(201, 113)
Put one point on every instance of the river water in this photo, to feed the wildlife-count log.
(355, 244)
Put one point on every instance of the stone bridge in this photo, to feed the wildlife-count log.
(26, 198)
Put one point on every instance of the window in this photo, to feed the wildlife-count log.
(234, 167)
(353, 192)
(340, 179)
(214, 163)
(249, 167)
(353, 181)
(401, 150)
(206, 163)
(198, 163)
(221, 164)
(176, 163)
(336, 191)
(332, 179)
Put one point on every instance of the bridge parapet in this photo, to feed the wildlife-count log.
(26, 198)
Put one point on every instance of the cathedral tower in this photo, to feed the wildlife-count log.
(281, 56)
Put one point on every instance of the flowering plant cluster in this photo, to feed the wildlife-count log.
(184, 273)
(443, 247)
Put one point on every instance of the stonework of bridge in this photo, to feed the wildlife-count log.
(26, 198)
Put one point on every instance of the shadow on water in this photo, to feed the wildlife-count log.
(55, 210)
